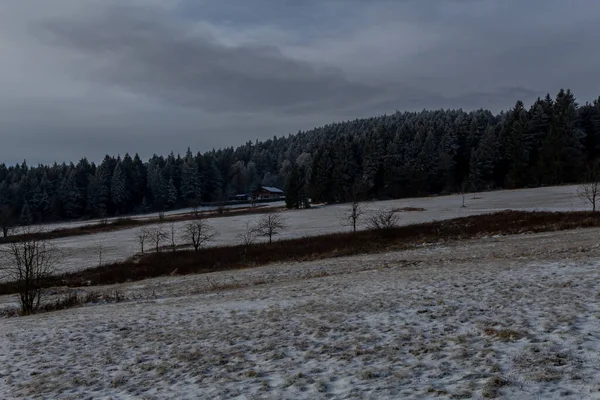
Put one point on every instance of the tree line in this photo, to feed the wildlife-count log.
(404, 154)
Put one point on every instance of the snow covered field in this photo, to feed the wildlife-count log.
(515, 317)
(91, 222)
(82, 252)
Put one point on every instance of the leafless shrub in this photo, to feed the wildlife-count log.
(142, 235)
(590, 191)
(198, 232)
(161, 215)
(156, 235)
(29, 263)
(383, 219)
(270, 225)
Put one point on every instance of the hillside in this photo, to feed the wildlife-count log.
(554, 141)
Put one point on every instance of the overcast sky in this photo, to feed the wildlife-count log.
(90, 77)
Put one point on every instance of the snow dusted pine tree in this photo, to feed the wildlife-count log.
(26, 217)
(118, 190)
(69, 195)
(190, 181)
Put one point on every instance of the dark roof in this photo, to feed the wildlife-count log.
(272, 189)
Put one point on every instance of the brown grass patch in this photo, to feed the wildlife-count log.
(409, 209)
(506, 335)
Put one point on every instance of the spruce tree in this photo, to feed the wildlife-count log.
(118, 190)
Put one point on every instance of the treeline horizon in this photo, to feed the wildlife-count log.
(405, 154)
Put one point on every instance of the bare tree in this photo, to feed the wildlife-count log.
(29, 263)
(198, 232)
(247, 236)
(464, 188)
(7, 220)
(383, 219)
(99, 246)
(157, 234)
(173, 236)
(142, 236)
(590, 191)
(352, 214)
(270, 224)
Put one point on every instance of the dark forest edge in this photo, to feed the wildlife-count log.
(555, 141)
(213, 259)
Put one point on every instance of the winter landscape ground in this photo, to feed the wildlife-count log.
(82, 252)
(514, 317)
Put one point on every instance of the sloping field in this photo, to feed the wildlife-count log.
(507, 317)
(83, 251)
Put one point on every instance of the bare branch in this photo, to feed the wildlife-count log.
(247, 236)
(383, 219)
(270, 225)
(157, 234)
(198, 232)
(352, 214)
(173, 236)
(590, 190)
(142, 236)
(29, 263)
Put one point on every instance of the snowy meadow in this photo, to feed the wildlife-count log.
(493, 317)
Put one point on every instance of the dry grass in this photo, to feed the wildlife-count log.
(409, 209)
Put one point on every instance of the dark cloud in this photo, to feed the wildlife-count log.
(149, 53)
(88, 77)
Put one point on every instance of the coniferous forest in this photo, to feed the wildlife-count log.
(554, 141)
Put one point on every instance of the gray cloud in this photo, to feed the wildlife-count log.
(147, 52)
(88, 77)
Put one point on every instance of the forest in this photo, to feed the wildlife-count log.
(404, 154)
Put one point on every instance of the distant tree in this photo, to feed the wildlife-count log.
(198, 232)
(270, 224)
(26, 218)
(589, 190)
(7, 219)
(156, 235)
(142, 235)
(295, 192)
(355, 210)
(248, 236)
(173, 235)
(352, 214)
(190, 181)
(118, 190)
(69, 195)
